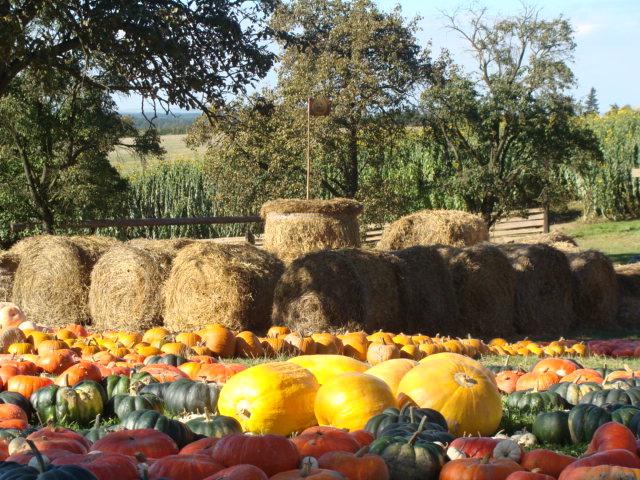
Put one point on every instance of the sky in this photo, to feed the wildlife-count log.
(606, 32)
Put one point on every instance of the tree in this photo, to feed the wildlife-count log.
(591, 103)
(185, 53)
(55, 136)
(367, 62)
(502, 130)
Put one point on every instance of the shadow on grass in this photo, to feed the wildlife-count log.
(622, 257)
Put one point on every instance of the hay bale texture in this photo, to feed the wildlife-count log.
(595, 289)
(295, 227)
(485, 288)
(544, 303)
(354, 289)
(51, 283)
(164, 248)
(550, 238)
(433, 227)
(8, 265)
(628, 277)
(219, 283)
(126, 288)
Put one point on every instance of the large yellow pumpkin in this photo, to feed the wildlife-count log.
(392, 371)
(461, 358)
(348, 400)
(326, 366)
(464, 394)
(276, 397)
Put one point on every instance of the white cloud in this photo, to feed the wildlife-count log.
(586, 29)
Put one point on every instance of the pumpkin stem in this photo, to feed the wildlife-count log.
(306, 468)
(362, 451)
(42, 467)
(417, 433)
(485, 459)
(411, 416)
(96, 422)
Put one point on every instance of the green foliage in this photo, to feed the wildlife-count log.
(501, 131)
(604, 183)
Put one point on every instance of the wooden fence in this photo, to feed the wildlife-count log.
(536, 221)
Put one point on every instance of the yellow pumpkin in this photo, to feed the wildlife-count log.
(463, 393)
(348, 400)
(155, 333)
(392, 371)
(461, 358)
(276, 397)
(326, 366)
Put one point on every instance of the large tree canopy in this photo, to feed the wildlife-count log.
(503, 129)
(189, 53)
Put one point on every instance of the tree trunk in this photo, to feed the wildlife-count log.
(352, 166)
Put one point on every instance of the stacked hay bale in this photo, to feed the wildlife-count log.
(219, 283)
(164, 248)
(8, 266)
(353, 289)
(433, 227)
(595, 289)
(51, 283)
(484, 282)
(295, 227)
(628, 277)
(126, 288)
(556, 239)
(544, 303)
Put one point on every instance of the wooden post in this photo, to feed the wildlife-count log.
(545, 224)
(635, 172)
(308, 148)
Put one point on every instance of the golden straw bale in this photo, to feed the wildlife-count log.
(126, 289)
(595, 289)
(485, 287)
(544, 303)
(51, 283)
(337, 291)
(628, 277)
(8, 265)
(295, 227)
(550, 238)
(168, 247)
(428, 299)
(433, 227)
(220, 283)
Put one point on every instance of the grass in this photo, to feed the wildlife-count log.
(125, 161)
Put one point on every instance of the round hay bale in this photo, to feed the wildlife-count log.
(166, 247)
(628, 277)
(126, 289)
(294, 227)
(337, 291)
(485, 287)
(427, 292)
(550, 238)
(595, 289)
(218, 283)
(51, 283)
(433, 227)
(544, 303)
(8, 265)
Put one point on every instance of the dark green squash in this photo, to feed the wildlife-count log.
(584, 420)
(178, 431)
(572, 392)
(80, 403)
(168, 359)
(115, 384)
(552, 427)
(604, 397)
(185, 395)
(407, 414)
(216, 426)
(622, 413)
(157, 389)
(122, 404)
(531, 401)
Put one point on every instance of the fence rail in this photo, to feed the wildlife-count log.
(536, 221)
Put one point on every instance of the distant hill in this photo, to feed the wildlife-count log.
(172, 124)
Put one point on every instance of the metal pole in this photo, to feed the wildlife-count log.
(308, 147)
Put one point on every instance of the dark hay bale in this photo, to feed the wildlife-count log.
(427, 294)
(8, 265)
(485, 287)
(433, 227)
(595, 289)
(51, 283)
(544, 303)
(295, 227)
(218, 283)
(628, 277)
(337, 291)
(126, 289)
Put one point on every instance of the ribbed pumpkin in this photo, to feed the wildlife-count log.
(276, 397)
(392, 371)
(326, 366)
(348, 400)
(460, 391)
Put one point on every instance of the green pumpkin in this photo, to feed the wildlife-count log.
(573, 392)
(122, 403)
(408, 414)
(158, 389)
(185, 395)
(216, 426)
(531, 401)
(178, 431)
(80, 403)
(428, 432)
(410, 459)
(552, 427)
(168, 359)
(622, 413)
(604, 371)
(634, 424)
(115, 384)
(584, 420)
(502, 368)
(604, 397)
